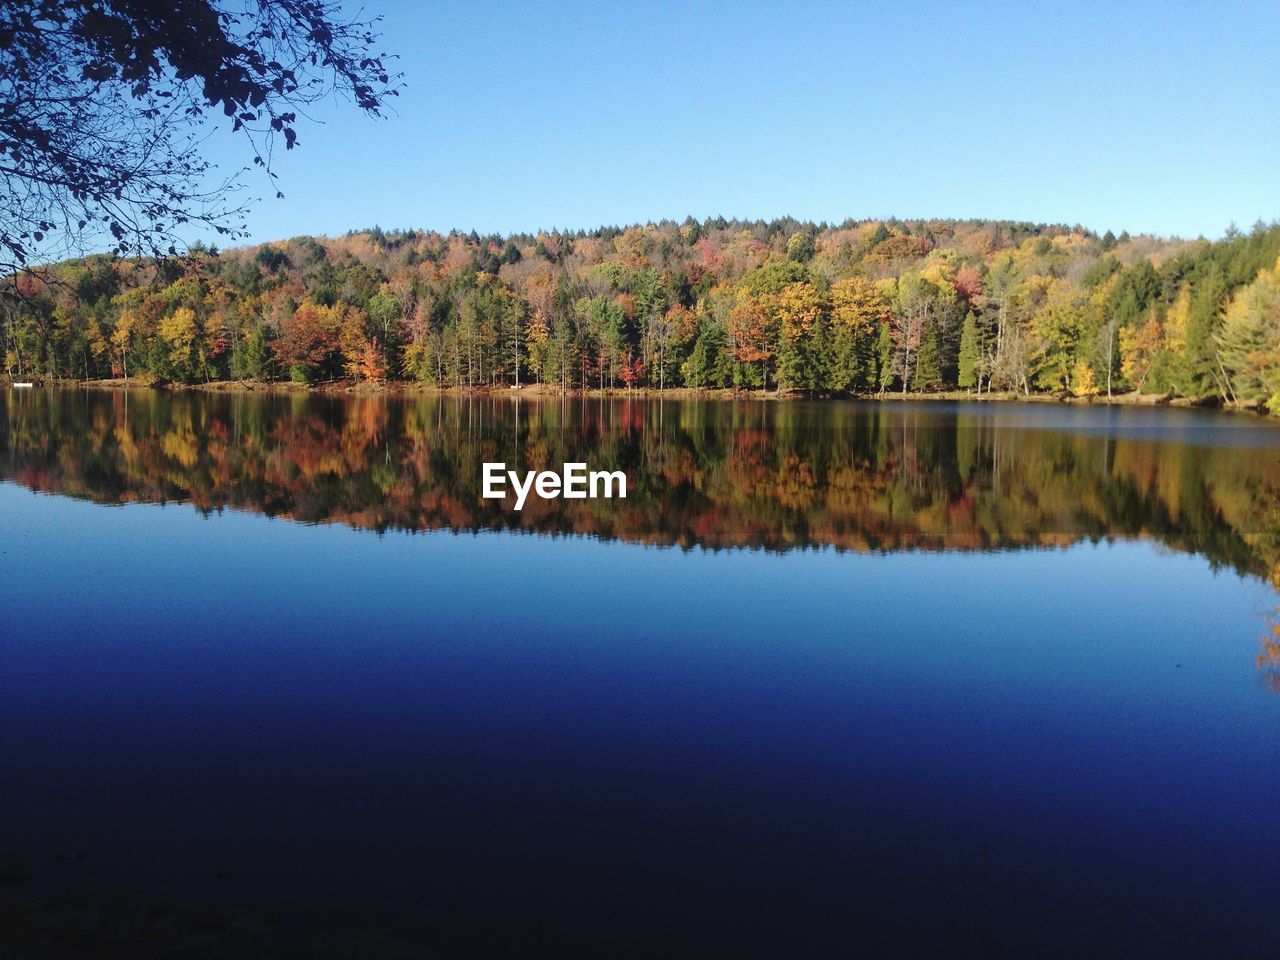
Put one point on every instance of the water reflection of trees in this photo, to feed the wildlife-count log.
(775, 476)
(1269, 656)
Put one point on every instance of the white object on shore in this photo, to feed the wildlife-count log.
(26, 385)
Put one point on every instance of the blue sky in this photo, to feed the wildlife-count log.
(1147, 117)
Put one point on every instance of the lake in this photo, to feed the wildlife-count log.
(835, 679)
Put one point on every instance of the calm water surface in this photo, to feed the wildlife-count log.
(919, 679)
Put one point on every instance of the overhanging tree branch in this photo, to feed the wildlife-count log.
(104, 104)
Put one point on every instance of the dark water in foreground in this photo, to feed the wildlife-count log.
(917, 679)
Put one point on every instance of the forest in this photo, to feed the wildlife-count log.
(860, 308)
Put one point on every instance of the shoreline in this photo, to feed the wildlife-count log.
(542, 391)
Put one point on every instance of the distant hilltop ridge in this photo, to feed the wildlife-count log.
(1015, 230)
(863, 307)
(775, 226)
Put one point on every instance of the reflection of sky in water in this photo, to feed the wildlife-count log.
(1165, 424)
(415, 733)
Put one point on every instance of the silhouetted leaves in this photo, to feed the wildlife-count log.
(101, 102)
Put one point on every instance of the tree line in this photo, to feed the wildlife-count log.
(860, 307)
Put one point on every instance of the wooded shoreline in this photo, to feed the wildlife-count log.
(887, 309)
(541, 391)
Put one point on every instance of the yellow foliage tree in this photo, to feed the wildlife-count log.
(857, 305)
(1177, 321)
(120, 338)
(796, 308)
(1083, 382)
(179, 331)
(1138, 349)
(362, 354)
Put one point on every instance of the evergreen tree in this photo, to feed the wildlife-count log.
(696, 370)
(970, 353)
(928, 372)
(251, 358)
(1201, 358)
(847, 362)
(1249, 341)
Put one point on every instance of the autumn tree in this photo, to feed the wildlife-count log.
(917, 305)
(797, 314)
(307, 347)
(1084, 383)
(359, 345)
(753, 334)
(179, 332)
(1139, 347)
(1058, 326)
(858, 308)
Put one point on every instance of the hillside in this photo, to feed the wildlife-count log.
(862, 307)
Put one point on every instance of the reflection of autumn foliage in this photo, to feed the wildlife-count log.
(772, 476)
(1269, 657)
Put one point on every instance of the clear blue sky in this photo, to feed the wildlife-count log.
(1157, 118)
